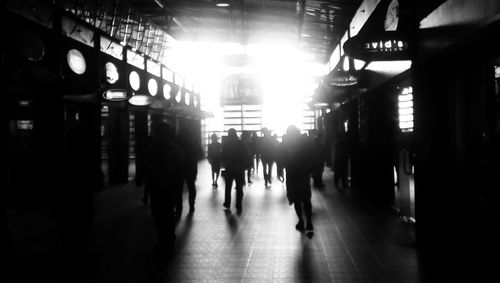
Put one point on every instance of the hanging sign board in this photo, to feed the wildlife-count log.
(115, 95)
(241, 89)
(383, 46)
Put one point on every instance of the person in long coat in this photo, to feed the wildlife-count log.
(164, 179)
(234, 160)
(299, 164)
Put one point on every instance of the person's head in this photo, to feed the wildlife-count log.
(231, 134)
(292, 130)
(214, 138)
(266, 131)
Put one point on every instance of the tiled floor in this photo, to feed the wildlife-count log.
(354, 241)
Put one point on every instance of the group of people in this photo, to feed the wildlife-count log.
(268, 151)
(172, 162)
(298, 155)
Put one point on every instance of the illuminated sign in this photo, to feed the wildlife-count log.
(385, 46)
(405, 109)
(341, 78)
(115, 95)
(141, 100)
(241, 89)
(24, 125)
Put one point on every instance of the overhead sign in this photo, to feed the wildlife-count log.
(383, 46)
(115, 95)
(241, 89)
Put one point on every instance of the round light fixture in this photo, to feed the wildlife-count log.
(111, 71)
(166, 91)
(134, 80)
(76, 61)
(152, 87)
(222, 4)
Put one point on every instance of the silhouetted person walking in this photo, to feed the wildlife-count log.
(214, 158)
(192, 154)
(268, 155)
(246, 139)
(298, 163)
(255, 145)
(163, 177)
(234, 156)
(280, 168)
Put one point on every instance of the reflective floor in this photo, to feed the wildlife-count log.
(353, 240)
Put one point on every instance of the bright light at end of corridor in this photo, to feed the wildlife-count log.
(286, 76)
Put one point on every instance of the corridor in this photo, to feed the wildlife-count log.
(353, 240)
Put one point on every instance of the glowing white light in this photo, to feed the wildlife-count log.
(140, 100)
(152, 87)
(134, 80)
(111, 71)
(392, 67)
(166, 91)
(76, 61)
(287, 76)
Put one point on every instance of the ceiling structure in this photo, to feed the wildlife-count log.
(316, 26)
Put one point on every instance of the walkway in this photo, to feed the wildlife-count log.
(353, 241)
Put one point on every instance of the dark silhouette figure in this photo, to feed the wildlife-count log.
(140, 165)
(214, 158)
(234, 156)
(341, 162)
(246, 139)
(319, 161)
(298, 164)
(74, 199)
(255, 145)
(268, 155)
(192, 154)
(163, 177)
(280, 168)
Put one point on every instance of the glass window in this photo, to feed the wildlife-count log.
(77, 32)
(168, 75)
(135, 59)
(111, 72)
(111, 48)
(134, 80)
(76, 61)
(153, 68)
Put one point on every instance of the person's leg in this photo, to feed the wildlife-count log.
(212, 167)
(217, 173)
(308, 213)
(192, 193)
(240, 178)
(227, 194)
(178, 201)
(270, 172)
(264, 171)
(298, 211)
